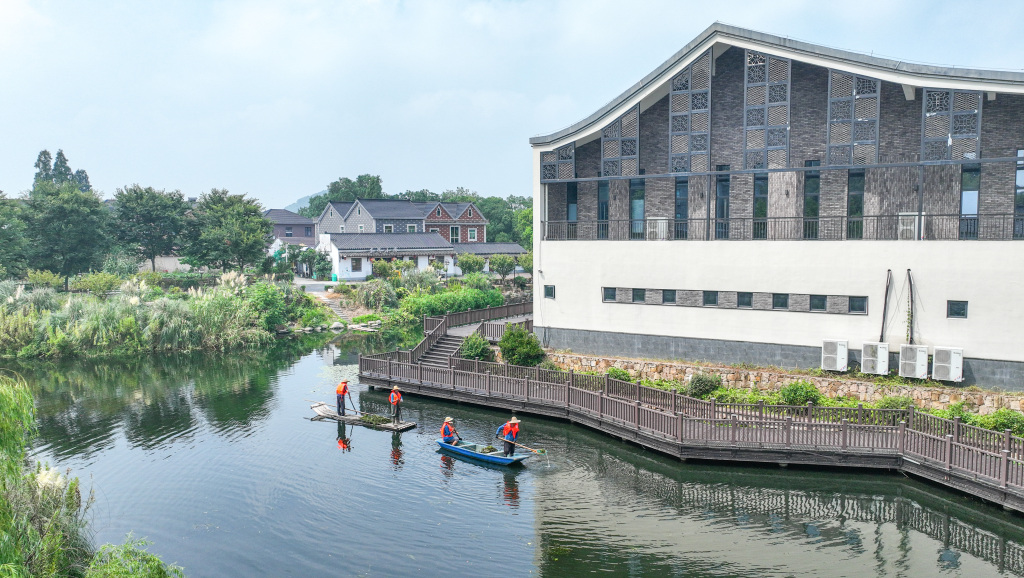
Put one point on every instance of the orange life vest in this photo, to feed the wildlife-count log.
(395, 398)
(512, 428)
(342, 388)
(447, 430)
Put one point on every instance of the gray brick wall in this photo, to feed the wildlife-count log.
(799, 302)
(556, 201)
(399, 225)
(330, 222)
(690, 298)
(588, 159)
(654, 138)
(727, 299)
(808, 110)
(652, 297)
(660, 200)
(899, 127)
(727, 110)
(762, 301)
(356, 217)
(1002, 135)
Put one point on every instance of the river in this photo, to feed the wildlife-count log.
(215, 461)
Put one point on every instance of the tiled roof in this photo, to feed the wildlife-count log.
(489, 248)
(340, 207)
(286, 217)
(392, 209)
(363, 242)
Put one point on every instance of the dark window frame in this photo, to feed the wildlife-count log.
(746, 296)
(604, 294)
(309, 231)
(780, 297)
(603, 194)
(549, 291)
(970, 182)
(682, 206)
(572, 200)
(643, 296)
(710, 299)
(722, 189)
(664, 296)
(855, 184)
(857, 310)
(812, 192)
(357, 264)
(824, 303)
(287, 231)
(955, 303)
(760, 208)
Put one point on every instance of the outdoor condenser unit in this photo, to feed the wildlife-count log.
(833, 355)
(914, 361)
(874, 358)
(948, 364)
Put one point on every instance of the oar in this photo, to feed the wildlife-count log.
(540, 452)
(315, 401)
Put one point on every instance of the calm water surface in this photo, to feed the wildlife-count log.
(217, 463)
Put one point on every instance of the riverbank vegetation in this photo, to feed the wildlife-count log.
(43, 523)
(235, 314)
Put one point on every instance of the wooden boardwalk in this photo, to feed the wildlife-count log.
(324, 411)
(982, 463)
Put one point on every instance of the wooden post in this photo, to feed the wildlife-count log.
(810, 408)
(359, 362)
(760, 410)
(419, 373)
(637, 390)
(572, 378)
(476, 366)
(600, 405)
(949, 451)
(789, 431)
(636, 414)
(488, 384)
(910, 417)
(860, 413)
(604, 389)
(956, 429)
(389, 370)
(845, 428)
(674, 402)
(1004, 467)
(679, 430)
(568, 389)
(1007, 437)
(526, 387)
(901, 441)
(714, 408)
(732, 429)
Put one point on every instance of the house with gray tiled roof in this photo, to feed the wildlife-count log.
(351, 254)
(455, 222)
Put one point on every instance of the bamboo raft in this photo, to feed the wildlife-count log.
(324, 411)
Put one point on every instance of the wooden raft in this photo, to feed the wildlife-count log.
(324, 411)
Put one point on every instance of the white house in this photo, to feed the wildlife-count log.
(352, 254)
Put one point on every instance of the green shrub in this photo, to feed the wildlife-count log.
(377, 294)
(470, 263)
(476, 347)
(382, 269)
(366, 318)
(130, 559)
(665, 384)
(40, 278)
(477, 281)
(315, 317)
(1002, 419)
(268, 301)
(122, 264)
(702, 384)
(800, 393)
(895, 402)
(425, 281)
(619, 374)
(455, 299)
(954, 410)
(548, 364)
(152, 278)
(521, 282)
(520, 348)
(99, 284)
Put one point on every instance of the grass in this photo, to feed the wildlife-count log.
(371, 419)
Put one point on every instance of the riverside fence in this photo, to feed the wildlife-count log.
(977, 461)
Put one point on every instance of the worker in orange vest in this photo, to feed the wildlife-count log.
(396, 405)
(448, 433)
(342, 391)
(508, 433)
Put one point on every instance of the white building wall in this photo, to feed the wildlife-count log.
(987, 274)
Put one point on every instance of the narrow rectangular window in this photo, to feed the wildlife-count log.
(309, 231)
(287, 231)
(360, 228)
(760, 230)
(410, 228)
(722, 203)
(438, 212)
(812, 198)
(745, 299)
(956, 309)
(780, 300)
(636, 208)
(471, 234)
(682, 207)
(389, 228)
(970, 181)
(357, 264)
(434, 230)
(668, 296)
(1018, 199)
(571, 207)
(609, 293)
(453, 234)
(549, 291)
(341, 229)
(711, 298)
(855, 205)
(858, 305)
(602, 209)
(819, 302)
(639, 295)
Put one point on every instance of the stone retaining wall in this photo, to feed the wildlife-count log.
(770, 380)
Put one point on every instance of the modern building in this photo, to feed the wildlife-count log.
(757, 199)
(455, 222)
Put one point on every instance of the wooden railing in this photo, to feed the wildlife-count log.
(995, 457)
(478, 315)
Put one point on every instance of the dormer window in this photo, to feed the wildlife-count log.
(470, 212)
(332, 212)
(359, 211)
(438, 212)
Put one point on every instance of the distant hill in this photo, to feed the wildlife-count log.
(294, 207)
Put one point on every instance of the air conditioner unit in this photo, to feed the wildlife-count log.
(914, 361)
(833, 355)
(874, 358)
(907, 227)
(948, 364)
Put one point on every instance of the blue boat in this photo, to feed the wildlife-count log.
(473, 451)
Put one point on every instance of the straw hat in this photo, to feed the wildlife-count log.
(448, 419)
(513, 420)
(395, 388)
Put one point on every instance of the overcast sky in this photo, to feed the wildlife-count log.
(277, 99)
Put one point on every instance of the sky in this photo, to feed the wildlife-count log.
(278, 99)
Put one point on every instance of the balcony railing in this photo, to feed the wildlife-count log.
(904, 226)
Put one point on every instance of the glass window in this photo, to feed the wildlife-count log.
(780, 300)
(818, 302)
(602, 209)
(970, 181)
(609, 293)
(287, 231)
(438, 212)
(453, 234)
(668, 296)
(858, 305)
(360, 228)
(682, 207)
(855, 205)
(956, 309)
(389, 228)
(549, 291)
(744, 299)
(357, 264)
(309, 231)
(760, 207)
(571, 202)
(639, 295)
(711, 298)
(1018, 197)
(722, 203)
(411, 228)
(434, 230)
(636, 208)
(812, 198)
(471, 234)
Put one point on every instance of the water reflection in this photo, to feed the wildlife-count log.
(510, 489)
(344, 441)
(396, 451)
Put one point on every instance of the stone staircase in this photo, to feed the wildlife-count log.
(437, 356)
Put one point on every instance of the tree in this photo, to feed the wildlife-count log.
(524, 227)
(12, 238)
(225, 230)
(503, 265)
(500, 218)
(520, 348)
(150, 220)
(470, 263)
(44, 170)
(68, 232)
(342, 190)
(420, 196)
(61, 171)
(460, 195)
(81, 179)
(526, 262)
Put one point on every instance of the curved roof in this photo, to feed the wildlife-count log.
(914, 74)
